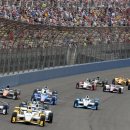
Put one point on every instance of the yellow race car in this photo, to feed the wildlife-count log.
(121, 81)
(28, 115)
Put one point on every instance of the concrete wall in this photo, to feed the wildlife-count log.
(29, 77)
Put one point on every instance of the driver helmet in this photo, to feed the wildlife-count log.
(46, 86)
(34, 102)
(44, 92)
(87, 80)
(87, 97)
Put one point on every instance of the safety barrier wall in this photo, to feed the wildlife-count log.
(29, 77)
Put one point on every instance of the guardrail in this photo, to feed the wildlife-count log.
(34, 76)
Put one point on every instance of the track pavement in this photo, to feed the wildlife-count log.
(113, 113)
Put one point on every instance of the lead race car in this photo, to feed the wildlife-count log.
(39, 106)
(86, 85)
(113, 88)
(28, 115)
(10, 93)
(87, 103)
(4, 107)
(121, 81)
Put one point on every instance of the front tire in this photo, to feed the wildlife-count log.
(75, 103)
(50, 117)
(13, 118)
(53, 99)
(42, 121)
(5, 107)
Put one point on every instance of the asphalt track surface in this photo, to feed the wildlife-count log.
(113, 113)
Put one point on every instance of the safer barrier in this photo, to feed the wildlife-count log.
(29, 77)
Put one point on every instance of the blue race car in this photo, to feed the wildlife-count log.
(4, 107)
(43, 97)
(87, 103)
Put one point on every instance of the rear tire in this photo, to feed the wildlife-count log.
(14, 114)
(77, 85)
(5, 107)
(42, 121)
(53, 99)
(96, 104)
(50, 117)
(127, 83)
(104, 88)
(113, 81)
(35, 91)
(15, 96)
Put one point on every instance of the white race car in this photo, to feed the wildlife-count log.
(86, 85)
(41, 107)
(113, 88)
(87, 103)
(29, 115)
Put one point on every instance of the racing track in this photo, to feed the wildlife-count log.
(113, 113)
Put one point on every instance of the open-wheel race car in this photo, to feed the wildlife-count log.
(86, 85)
(48, 90)
(28, 115)
(39, 106)
(113, 88)
(10, 93)
(45, 98)
(121, 81)
(87, 103)
(4, 107)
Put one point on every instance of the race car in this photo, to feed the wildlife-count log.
(48, 90)
(28, 115)
(86, 85)
(43, 97)
(87, 103)
(39, 106)
(10, 93)
(121, 81)
(113, 88)
(98, 81)
(4, 107)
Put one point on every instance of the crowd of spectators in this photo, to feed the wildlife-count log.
(65, 16)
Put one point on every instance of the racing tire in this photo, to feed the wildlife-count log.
(54, 92)
(127, 83)
(5, 107)
(14, 115)
(53, 99)
(113, 81)
(15, 95)
(32, 97)
(96, 104)
(93, 88)
(77, 85)
(75, 103)
(104, 88)
(35, 91)
(129, 87)
(42, 121)
(119, 91)
(50, 117)
(103, 83)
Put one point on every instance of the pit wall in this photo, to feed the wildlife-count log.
(34, 76)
